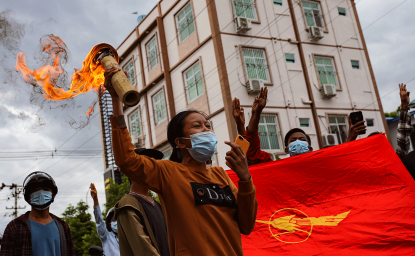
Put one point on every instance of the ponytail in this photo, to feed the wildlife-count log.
(176, 156)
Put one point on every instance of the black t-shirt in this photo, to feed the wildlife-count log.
(158, 226)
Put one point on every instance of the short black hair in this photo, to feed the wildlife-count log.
(374, 133)
(291, 132)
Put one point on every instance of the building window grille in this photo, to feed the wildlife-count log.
(185, 23)
(256, 64)
(355, 64)
(342, 11)
(313, 14)
(152, 53)
(269, 133)
(338, 126)
(290, 58)
(159, 107)
(304, 122)
(245, 9)
(278, 2)
(194, 82)
(326, 71)
(135, 124)
(129, 68)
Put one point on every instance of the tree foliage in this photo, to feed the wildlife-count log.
(393, 113)
(83, 229)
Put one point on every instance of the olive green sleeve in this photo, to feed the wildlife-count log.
(132, 237)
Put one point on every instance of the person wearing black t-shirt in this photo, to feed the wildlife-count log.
(141, 226)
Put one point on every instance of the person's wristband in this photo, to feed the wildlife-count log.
(405, 107)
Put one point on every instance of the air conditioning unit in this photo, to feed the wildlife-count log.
(330, 140)
(243, 24)
(316, 33)
(328, 90)
(254, 86)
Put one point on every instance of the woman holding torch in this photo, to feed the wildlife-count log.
(204, 211)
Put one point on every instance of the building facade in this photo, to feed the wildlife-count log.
(201, 54)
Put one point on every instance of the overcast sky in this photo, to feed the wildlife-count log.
(82, 24)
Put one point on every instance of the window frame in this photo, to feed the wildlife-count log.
(257, 19)
(345, 11)
(325, 29)
(282, 3)
(279, 132)
(293, 54)
(177, 22)
(299, 122)
(328, 115)
(367, 123)
(339, 87)
(137, 110)
(241, 48)
(358, 62)
(155, 109)
(135, 76)
(198, 61)
(157, 51)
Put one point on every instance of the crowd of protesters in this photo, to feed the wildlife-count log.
(201, 212)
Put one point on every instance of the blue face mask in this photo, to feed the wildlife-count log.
(40, 197)
(114, 226)
(203, 146)
(298, 147)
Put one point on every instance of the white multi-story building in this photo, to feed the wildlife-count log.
(202, 53)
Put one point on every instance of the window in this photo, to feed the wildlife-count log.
(338, 125)
(135, 124)
(370, 122)
(313, 14)
(159, 107)
(194, 82)
(304, 122)
(129, 68)
(326, 71)
(166, 154)
(185, 23)
(278, 2)
(152, 53)
(290, 58)
(342, 11)
(256, 64)
(355, 64)
(269, 133)
(245, 9)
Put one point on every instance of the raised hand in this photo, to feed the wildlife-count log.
(238, 112)
(355, 129)
(94, 194)
(404, 95)
(107, 83)
(238, 161)
(260, 101)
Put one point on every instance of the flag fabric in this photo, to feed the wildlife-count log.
(353, 199)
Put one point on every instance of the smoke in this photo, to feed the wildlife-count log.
(13, 96)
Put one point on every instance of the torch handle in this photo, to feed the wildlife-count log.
(122, 85)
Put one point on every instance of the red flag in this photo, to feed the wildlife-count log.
(353, 199)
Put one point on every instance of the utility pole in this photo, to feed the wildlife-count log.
(17, 190)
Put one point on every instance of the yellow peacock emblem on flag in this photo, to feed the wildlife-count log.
(291, 225)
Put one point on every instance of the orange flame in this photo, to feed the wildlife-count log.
(88, 78)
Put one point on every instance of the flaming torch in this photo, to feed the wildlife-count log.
(90, 77)
(107, 56)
